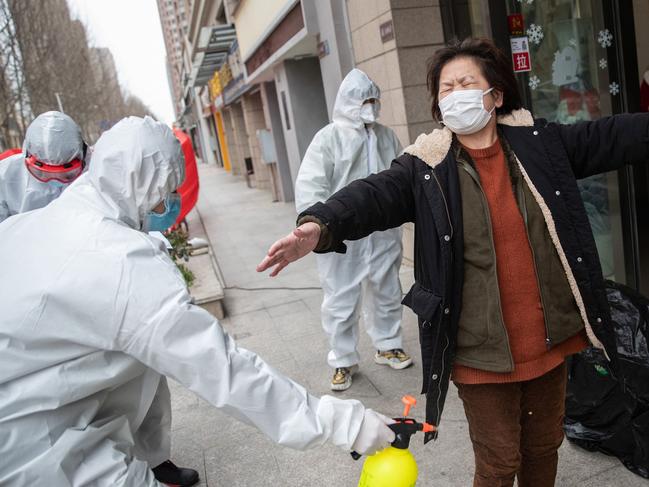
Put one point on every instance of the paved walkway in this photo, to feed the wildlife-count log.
(283, 326)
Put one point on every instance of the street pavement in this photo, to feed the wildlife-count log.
(283, 327)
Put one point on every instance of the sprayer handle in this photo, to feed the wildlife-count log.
(403, 428)
(397, 427)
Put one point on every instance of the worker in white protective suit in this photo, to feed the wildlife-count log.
(95, 315)
(352, 147)
(53, 156)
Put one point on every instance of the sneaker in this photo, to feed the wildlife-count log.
(342, 379)
(395, 358)
(168, 473)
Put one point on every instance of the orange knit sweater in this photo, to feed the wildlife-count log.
(519, 292)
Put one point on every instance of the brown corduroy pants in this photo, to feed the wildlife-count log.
(516, 429)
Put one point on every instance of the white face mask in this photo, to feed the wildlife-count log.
(463, 111)
(370, 112)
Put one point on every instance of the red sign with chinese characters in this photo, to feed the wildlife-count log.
(522, 62)
(521, 54)
(516, 24)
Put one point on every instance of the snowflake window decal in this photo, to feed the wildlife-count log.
(605, 38)
(534, 82)
(535, 33)
(614, 88)
(573, 42)
(603, 63)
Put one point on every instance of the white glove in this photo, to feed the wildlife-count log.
(374, 434)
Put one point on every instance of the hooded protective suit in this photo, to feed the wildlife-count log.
(95, 313)
(341, 152)
(54, 138)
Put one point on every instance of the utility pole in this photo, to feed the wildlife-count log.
(58, 100)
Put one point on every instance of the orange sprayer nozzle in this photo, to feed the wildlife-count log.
(428, 428)
(408, 402)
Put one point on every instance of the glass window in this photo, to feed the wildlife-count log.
(466, 18)
(570, 82)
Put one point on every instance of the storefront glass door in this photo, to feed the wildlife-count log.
(571, 81)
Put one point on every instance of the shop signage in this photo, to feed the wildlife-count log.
(386, 29)
(521, 54)
(516, 24)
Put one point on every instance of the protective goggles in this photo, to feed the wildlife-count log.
(64, 173)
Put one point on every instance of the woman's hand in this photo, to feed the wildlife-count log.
(291, 248)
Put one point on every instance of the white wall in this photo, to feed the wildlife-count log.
(290, 135)
(253, 20)
(273, 116)
(332, 24)
(301, 82)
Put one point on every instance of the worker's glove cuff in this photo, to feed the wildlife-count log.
(374, 434)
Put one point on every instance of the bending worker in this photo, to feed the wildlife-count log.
(53, 156)
(98, 315)
(352, 147)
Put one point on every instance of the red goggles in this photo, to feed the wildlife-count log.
(64, 173)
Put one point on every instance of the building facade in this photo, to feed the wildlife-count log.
(574, 59)
(174, 24)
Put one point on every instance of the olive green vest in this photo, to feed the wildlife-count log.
(482, 340)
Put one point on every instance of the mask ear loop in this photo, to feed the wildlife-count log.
(486, 93)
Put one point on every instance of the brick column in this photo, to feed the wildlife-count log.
(253, 114)
(240, 136)
(398, 65)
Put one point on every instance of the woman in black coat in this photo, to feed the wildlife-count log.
(507, 276)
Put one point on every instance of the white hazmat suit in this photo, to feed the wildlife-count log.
(95, 315)
(55, 139)
(341, 152)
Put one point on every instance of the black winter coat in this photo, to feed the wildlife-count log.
(422, 186)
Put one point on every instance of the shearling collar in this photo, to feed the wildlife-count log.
(433, 147)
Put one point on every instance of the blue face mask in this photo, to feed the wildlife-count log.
(159, 222)
(57, 184)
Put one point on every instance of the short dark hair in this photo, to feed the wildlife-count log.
(494, 63)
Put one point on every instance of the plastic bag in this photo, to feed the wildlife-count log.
(608, 410)
(630, 317)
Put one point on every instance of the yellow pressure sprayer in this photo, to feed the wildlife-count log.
(395, 466)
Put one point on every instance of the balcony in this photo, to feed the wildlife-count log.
(213, 46)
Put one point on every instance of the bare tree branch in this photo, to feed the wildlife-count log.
(43, 51)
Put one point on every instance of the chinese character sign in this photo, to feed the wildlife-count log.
(516, 24)
(521, 54)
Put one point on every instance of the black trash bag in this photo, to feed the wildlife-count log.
(630, 317)
(631, 443)
(608, 410)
